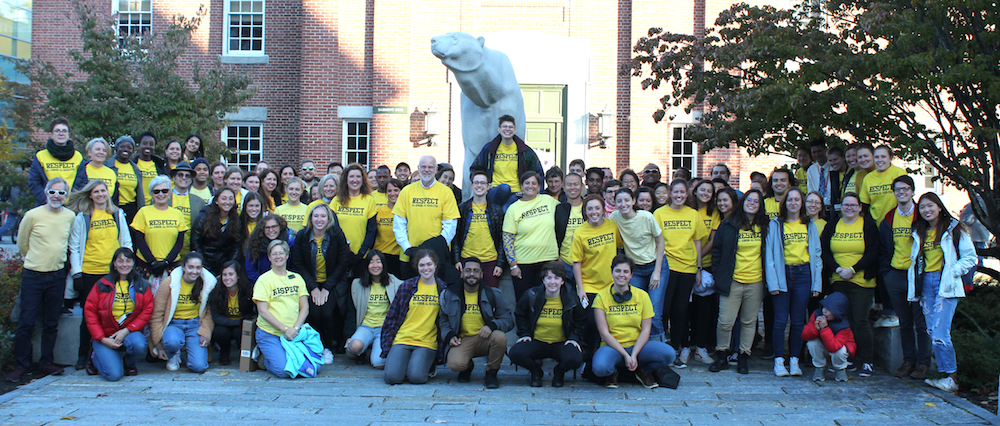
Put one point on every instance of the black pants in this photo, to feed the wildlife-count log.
(224, 336)
(327, 320)
(675, 306)
(704, 317)
(130, 210)
(392, 265)
(530, 354)
(41, 296)
(531, 276)
(859, 301)
(83, 285)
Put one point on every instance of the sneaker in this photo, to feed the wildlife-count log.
(645, 379)
(433, 372)
(841, 375)
(818, 375)
(679, 363)
(779, 367)
(685, 355)
(466, 375)
(702, 356)
(904, 370)
(16, 375)
(887, 321)
(946, 384)
(611, 382)
(327, 356)
(919, 372)
(174, 363)
(733, 358)
(793, 367)
(867, 369)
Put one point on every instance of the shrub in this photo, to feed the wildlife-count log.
(975, 334)
(11, 266)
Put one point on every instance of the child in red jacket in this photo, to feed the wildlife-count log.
(830, 335)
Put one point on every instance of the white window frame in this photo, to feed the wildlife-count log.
(116, 9)
(684, 140)
(237, 152)
(227, 17)
(347, 152)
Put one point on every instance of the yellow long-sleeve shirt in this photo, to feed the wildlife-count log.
(43, 238)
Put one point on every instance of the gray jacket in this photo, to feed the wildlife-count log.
(774, 270)
(78, 239)
(499, 317)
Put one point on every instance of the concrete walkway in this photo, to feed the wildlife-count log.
(355, 395)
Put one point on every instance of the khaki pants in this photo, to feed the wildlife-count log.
(472, 346)
(743, 302)
(819, 353)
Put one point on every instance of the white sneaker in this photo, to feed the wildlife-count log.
(779, 367)
(685, 354)
(327, 356)
(174, 363)
(793, 367)
(886, 322)
(946, 384)
(701, 355)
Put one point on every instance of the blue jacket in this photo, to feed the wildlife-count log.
(304, 354)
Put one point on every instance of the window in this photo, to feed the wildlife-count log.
(356, 142)
(134, 18)
(15, 33)
(682, 153)
(244, 27)
(245, 144)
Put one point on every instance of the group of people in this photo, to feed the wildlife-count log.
(623, 274)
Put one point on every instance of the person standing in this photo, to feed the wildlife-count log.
(423, 212)
(642, 238)
(42, 238)
(190, 205)
(58, 159)
(479, 231)
(818, 175)
(200, 186)
(149, 165)
(876, 190)
(569, 216)
(529, 237)
(507, 157)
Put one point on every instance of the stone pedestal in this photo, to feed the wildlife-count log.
(67, 341)
(888, 349)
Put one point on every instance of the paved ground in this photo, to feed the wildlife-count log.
(355, 395)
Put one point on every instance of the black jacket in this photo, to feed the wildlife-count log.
(216, 251)
(724, 254)
(337, 254)
(494, 220)
(869, 263)
(530, 307)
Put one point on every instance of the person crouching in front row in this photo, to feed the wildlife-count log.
(828, 333)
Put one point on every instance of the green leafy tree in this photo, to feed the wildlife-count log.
(921, 76)
(130, 85)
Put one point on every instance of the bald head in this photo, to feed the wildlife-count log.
(427, 168)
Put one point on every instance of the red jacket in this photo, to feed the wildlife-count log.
(97, 311)
(832, 342)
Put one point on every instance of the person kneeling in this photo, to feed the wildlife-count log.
(410, 339)
(474, 321)
(549, 321)
(181, 319)
(830, 335)
(624, 316)
(372, 293)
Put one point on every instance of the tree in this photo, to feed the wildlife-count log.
(920, 76)
(130, 85)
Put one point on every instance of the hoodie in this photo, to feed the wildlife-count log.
(838, 333)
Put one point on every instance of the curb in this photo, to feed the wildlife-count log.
(32, 386)
(975, 410)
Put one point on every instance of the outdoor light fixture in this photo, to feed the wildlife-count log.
(431, 125)
(604, 127)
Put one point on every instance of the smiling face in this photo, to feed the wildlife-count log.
(644, 201)
(271, 229)
(330, 189)
(554, 184)
(678, 195)
(146, 146)
(123, 151)
(98, 152)
(552, 282)
(192, 145)
(704, 192)
(161, 193)
(55, 195)
(375, 267)
(427, 169)
(403, 173)
(270, 182)
(123, 265)
(60, 134)
(225, 200)
(803, 157)
(278, 256)
(662, 193)
(472, 273)
(609, 194)
(308, 171)
(235, 181)
(480, 185)
(621, 273)
(573, 187)
(814, 204)
(219, 176)
(724, 202)
(294, 190)
(850, 207)
(382, 177)
(251, 183)
(99, 195)
(252, 208)
(779, 183)
(354, 180)
(426, 269)
(447, 177)
(319, 218)
(929, 210)
(530, 186)
(595, 212)
(507, 129)
(903, 192)
(624, 203)
(883, 159)
(192, 269)
(751, 205)
(182, 180)
(372, 181)
(201, 173)
(229, 277)
(287, 173)
(629, 182)
(392, 193)
(866, 158)
(173, 151)
(851, 156)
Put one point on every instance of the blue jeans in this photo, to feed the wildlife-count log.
(370, 338)
(938, 312)
(640, 279)
(570, 277)
(793, 302)
(407, 361)
(41, 295)
(183, 333)
(912, 326)
(109, 361)
(653, 356)
(274, 353)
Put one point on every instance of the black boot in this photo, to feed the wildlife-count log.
(491, 381)
(81, 362)
(720, 362)
(536, 377)
(743, 363)
(557, 377)
(466, 376)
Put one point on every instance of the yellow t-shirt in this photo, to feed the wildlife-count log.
(594, 247)
(851, 185)
(127, 183)
(748, 268)
(876, 191)
(385, 239)
(424, 209)
(186, 308)
(378, 306)
(479, 242)
(320, 261)
(796, 243)
(183, 203)
(204, 194)
(148, 170)
(574, 222)
(549, 328)
(282, 294)
(533, 225)
(848, 246)
(772, 207)
(160, 229)
(104, 174)
(293, 215)
(354, 217)
(123, 302)
(102, 241)
(505, 167)
(472, 318)
(625, 319)
(933, 256)
(53, 167)
(233, 307)
(381, 199)
(820, 225)
(250, 227)
(902, 240)
(420, 326)
(638, 235)
(712, 223)
(801, 175)
(681, 228)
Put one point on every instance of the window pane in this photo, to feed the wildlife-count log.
(363, 128)
(677, 148)
(678, 133)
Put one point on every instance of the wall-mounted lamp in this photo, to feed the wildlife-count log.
(431, 124)
(604, 127)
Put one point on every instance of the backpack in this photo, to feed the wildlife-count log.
(967, 279)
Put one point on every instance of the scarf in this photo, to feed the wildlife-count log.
(61, 153)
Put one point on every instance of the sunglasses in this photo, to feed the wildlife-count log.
(183, 175)
(54, 192)
(308, 168)
(161, 191)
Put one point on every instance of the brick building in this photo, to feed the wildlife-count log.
(351, 80)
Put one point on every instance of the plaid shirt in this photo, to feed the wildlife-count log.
(400, 306)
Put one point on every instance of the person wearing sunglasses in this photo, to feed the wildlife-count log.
(42, 237)
(182, 199)
(307, 173)
(58, 159)
(159, 232)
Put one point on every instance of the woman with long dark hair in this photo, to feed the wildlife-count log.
(181, 317)
(372, 293)
(703, 315)
(355, 210)
(410, 338)
(256, 259)
(250, 215)
(193, 148)
(271, 189)
(230, 303)
(216, 230)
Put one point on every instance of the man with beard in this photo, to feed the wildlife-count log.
(474, 320)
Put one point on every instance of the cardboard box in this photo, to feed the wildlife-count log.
(248, 343)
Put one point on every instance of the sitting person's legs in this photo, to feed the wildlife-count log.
(274, 354)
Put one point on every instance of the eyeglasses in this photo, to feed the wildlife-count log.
(54, 192)
(650, 171)
(902, 189)
(161, 191)
(60, 131)
(270, 227)
(850, 206)
(308, 169)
